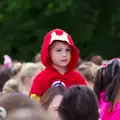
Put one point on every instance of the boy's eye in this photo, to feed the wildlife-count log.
(68, 50)
(58, 50)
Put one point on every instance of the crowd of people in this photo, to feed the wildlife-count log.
(59, 85)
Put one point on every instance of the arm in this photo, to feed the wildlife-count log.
(39, 87)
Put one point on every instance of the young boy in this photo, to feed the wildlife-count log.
(60, 57)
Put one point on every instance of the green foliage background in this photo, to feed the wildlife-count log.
(94, 25)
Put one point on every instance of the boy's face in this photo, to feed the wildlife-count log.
(60, 53)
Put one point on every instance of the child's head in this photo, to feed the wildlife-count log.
(13, 101)
(49, 95)
(88, 70)
(108, 80)
(79, 102)
(95, 58)
(58, 44)
(28, 114)
(51, 100)
(23, 80)
(25, 76)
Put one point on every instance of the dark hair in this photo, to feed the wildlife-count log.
(98, 86)
(5, 75)
(79, 102)
(91, 55)
(49, 95)
(96, 60)
(110, 82)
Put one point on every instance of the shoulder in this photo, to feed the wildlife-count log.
(78, 77)
(43, 76)
(42, 73)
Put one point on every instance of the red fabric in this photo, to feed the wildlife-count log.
(47, 77)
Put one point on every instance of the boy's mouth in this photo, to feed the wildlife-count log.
(65, 60)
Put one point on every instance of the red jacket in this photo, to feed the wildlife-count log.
(50, 76)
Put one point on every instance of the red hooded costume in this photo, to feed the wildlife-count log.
(50, 76)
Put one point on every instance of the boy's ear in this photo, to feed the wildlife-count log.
(3, 112)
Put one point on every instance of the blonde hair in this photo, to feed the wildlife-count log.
(42, 67)
(10, 86)
(28, 70)
(16, 84)
(37, 60)
(16, 67)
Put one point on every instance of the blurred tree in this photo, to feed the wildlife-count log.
(94, 25)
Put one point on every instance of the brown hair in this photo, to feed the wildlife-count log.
(13, 101)
(47, 98)
(27, 114)
(5, 75)
(88, 70)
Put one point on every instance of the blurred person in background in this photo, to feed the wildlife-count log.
(51, 100)
(89, 71)
(22, 81)
(28, 114)
(5, 75)
(13, 101)
(79, 103)
(95, 58)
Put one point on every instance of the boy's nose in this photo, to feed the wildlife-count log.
(64, 53)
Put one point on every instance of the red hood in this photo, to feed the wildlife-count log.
(58, 34)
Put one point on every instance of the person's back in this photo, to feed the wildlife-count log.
(60, 57)
(107, 114)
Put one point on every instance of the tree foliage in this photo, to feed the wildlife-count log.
(94, 25)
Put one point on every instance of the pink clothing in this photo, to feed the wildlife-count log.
(101, 101)
(7, 61)
(105, 113)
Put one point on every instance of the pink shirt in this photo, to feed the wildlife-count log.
(105, 113)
